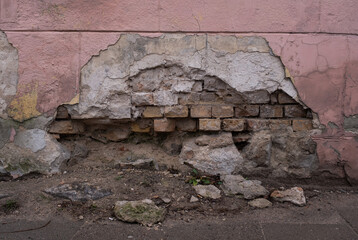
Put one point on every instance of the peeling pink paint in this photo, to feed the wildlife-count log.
(325, 73)
(56, 38)
(52, 61)
(303, 16)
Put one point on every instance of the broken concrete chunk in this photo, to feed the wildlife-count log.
(294, 195)
(78, 191)
(214, 158)
(207, 191)
(143, 212)
(260, 203)
(235, 184)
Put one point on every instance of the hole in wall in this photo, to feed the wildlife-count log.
(143, 98)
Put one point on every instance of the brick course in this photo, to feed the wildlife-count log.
(209, 124)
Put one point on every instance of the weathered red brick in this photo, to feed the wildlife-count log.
(257, 124)
(192, 98)
(187, 125)
(247, 111)
(62, 113)
(277, 124)
(283, 98)
(292, 111)
(257, 97)
(164, 125)
(208, 97)
(273, 98)
(140, 128)
(200, 111)
(302, 124)
(222, 111)
(152, 112)
(209, 124)
(234, 125)
(176, 112)
(67, 127)
(271, 111)
(142, 99)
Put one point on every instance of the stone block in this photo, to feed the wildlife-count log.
(117, 134)
(273, 98)
(278, 124)
(67, 127)
(209, 124)
(192, 98)
(187, 125)
(247, 111)
(222, 111)
(234, 125)
(198, 86)
(142, 99)
(214, 84)
(302, 124)
(208, 97)
(165, 98)
(257, 124)
(293, 111)
(183, 86)
(257, 97)
(283, 98)
(271, 111)
(176, 112)
(200, 111)
(137, 128)
(152, 112)
(232, 97)
(164, 125)
(62, 113)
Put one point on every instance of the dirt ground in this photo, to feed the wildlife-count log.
(99, 168)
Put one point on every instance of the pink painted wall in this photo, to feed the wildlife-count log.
(317, 41)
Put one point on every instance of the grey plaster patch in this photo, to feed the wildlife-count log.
(138, 64)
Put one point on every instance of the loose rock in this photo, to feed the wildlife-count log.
(294, 195)
(39, 153)
(78, 192)
(260, 203)
(194, 199)
(144, 212)
(208, 191)
(236, 184)
(166, 200)
(214, 154)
